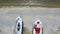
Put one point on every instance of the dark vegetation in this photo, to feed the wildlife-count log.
(34, 3)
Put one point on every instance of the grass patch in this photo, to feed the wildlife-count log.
(26, 31)
(0, 30)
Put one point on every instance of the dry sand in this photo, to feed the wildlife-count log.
(50, 18)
